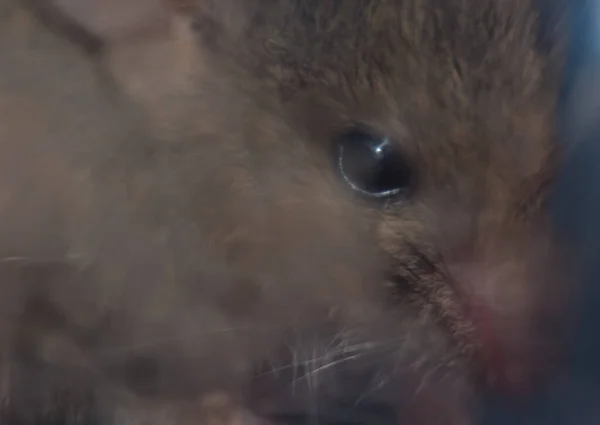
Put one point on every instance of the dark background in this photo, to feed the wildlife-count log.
(575, 397)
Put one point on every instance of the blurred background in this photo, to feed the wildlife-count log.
(574, 398)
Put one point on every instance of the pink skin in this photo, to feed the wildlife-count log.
(501, 328)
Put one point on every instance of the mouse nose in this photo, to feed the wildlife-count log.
(498, 304)
(511, 362)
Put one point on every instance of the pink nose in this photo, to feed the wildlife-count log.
(507, 364)
(508, 347)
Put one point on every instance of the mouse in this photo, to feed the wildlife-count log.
(301, 205)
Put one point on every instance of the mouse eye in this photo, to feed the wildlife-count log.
(373, 165)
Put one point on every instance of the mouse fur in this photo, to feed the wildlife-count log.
(169, 237)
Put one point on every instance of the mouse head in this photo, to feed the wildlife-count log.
(438, 116)
(432, 120)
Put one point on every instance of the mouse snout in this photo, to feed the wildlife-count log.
(504, 301)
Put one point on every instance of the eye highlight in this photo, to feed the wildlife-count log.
(373, 165)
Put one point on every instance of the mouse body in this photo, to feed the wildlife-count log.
(299, 204)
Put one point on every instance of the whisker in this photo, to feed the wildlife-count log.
(370, 389)
(332, 364)
(293, 364)
(426, 378)
(349, 352)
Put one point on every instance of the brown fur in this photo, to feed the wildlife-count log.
(166, 236)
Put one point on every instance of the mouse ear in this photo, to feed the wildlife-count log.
(148, 48)
(156, 51)
(114, 19)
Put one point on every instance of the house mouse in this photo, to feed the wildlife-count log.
(297, 204)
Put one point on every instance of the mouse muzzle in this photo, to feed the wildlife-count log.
(511, 304)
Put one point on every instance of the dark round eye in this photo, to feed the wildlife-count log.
(372, 165)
